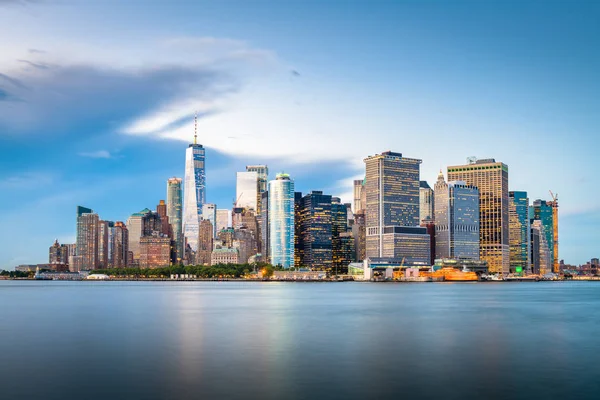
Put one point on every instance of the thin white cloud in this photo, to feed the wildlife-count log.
(96, 154)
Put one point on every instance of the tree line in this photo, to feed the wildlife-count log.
(201, 271)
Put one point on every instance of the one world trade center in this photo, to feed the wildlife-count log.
(194, 194)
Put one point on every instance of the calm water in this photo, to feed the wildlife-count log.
(211, 340)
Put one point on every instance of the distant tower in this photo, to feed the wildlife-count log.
(519, 232)
(194, 189)
(554, 204)
(87, 240)
(281, 221)
(262, 172)
(426, 200)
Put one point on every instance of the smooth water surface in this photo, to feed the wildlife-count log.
(247, 340)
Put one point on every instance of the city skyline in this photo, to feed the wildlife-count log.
(91, 158)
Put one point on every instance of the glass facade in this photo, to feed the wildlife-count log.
(281, 221)
(519, 231)
(542, 211)
(262, 172)
(87, 239)
(194, 193)
(339, 226)
(315, 230)
(209, 213)
(174, 212)
(491, 178)
(456, 220)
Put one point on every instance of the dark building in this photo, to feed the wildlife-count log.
(429, 224)
(264, 216)
(298, 243)
(120, 255)
(313, 225)
(359, 234)
(339, 225)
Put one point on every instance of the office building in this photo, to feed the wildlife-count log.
(87, 240)
(205, 242)
(209, 212)
(456, 220)
(262, 173)
(135, 230)
(359, 235)
(359, 194)
(392, 209)
(491, 178)
(194, 193)
(165, 226)
(174, 213)
(246, 190)
(264, 224)
(542, 211)
(339, 226)
(223, 220)
(298, 239)
(58, 253)
(224, 255)
(120, 246)
(426, 201)
(104, 235)
(541, 253)
(314, 223)
(155, 251)
(281, 221)
(344, 252)
(519, 232)
(429, 226)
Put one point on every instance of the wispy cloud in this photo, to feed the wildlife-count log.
(28, 179)
(97, 154)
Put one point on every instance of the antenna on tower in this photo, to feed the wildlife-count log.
(196, 127)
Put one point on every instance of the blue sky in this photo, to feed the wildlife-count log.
(97, 101)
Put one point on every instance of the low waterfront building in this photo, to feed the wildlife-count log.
(224, 255)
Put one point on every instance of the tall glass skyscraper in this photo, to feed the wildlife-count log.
(456, 220)
(491, 178)
(519, 232)
(174, 212)
(542, 211)
(87, 240)
(281, 221)
(209, 213)
(194, 191)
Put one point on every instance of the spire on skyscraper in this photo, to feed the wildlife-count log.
(196, 127)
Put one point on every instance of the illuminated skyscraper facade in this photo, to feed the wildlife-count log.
(359, 195)
(426, 201)
(456, 220)
(104, 239)
(281, 221)
(120, 245)
(392, 209)
(519, 232)
(339, 227)
(194, 192)
(315, 230)
(491, 178)
(174, 212)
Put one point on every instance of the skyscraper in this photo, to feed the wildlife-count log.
(491, 178)
(161, 210)
(359, 188)
(223, 220)
(456, 220)
(392, 209)
(194, 194)
(543, 212)
(174, 213)
(209, 213)
(87, 240)
(281, 221)
(426, 201)
(339, 226)
(262, 172)
(103, 243)
(519, 232)
(315, 230)
(135, 231)
(298, 239)
(120, 245)
(246, 190)
(205, 242)
(264, 224)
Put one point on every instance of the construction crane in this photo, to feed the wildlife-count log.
(554, 204)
